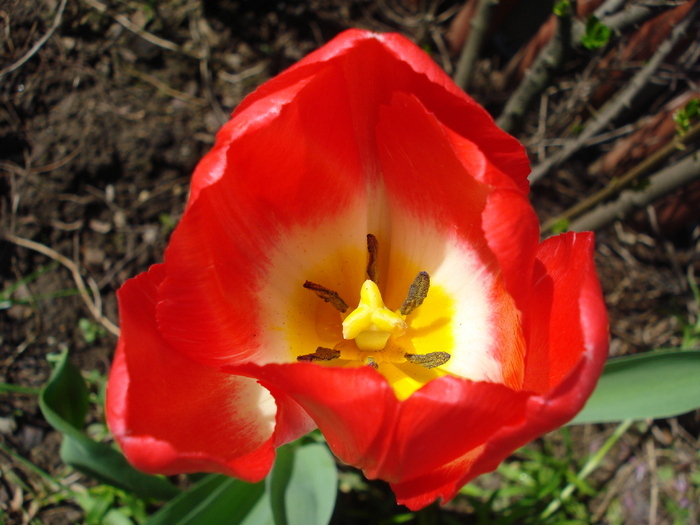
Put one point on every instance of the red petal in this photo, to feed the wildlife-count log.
(302, 149)
(395, 64)
(443, 482)
(367, 427)
(213, 165)
(301, 169)
(425, 178)
(512, 231)
(566, 288)
(172, 415)
(422, 172)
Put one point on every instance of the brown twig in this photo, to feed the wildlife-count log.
(204, 70)
(622, 101)
(664, 182)
(149, 37)
(549, 61)
(470, 52)
(539, 75)
(164, 88)
(54, 25)
(94, 306)
(617, 184)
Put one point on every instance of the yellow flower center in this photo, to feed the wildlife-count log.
(406, 346)
(371, 323)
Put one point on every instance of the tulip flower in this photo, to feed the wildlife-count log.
(358, 254)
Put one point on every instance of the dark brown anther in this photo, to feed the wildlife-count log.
(416, 293)
(328, 295)
(321, 354)
(371, 362)
(373, 250)
(430, 360)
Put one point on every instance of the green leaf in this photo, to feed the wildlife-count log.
(303, 485)
(685, 117)
(277, 482)
(597, 34)
(562, 8)
(651, 385)
(214, 499)
(65, 396)
(261, 514)
(64, 403)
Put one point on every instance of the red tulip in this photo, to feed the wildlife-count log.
(361, 168)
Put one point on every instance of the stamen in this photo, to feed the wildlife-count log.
(321, 354)
(373, 249)
(371, 362)
(430, 360)
(328, 295)
(416, 293)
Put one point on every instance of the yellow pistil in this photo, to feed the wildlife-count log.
(371, 324)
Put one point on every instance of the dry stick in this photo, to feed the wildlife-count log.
(54, 25)
(479, 25)
(618, 184)
(164, 88)
(149, 37)
(623, 101)
(538, 76)
(75, 272)
(204, 70)
(676, 176)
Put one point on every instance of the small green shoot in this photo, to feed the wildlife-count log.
(687, 116)
(691, 330)
(562, 8)
(167, 223)
(561, 226)
(597, 34)
(91, 331)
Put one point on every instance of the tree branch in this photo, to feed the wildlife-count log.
(625, 180)
(54, 25)
(539, 75)
(548, 63)
(472, 46)
(623, 100)
(661, 184)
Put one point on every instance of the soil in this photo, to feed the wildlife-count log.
(100, 130)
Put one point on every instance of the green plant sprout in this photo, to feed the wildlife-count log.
(91, 331)
(687, 116)
(691, 330)
(597, 35)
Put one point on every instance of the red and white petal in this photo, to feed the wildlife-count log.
(436, 226)
(566, 289)
(172, 415)
(564, 282)
(296, 176)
